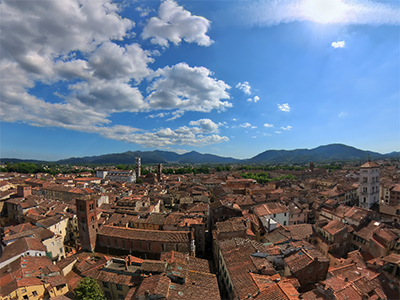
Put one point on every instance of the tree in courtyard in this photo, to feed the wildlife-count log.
(88, 289)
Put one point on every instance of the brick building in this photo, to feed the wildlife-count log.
(145, 243)
(87, 223)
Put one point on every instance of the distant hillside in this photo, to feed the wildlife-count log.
(327, 153)
(150, 157)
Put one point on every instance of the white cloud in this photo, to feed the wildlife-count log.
(342, 114)
(254, 137)
(284, 107)
(234, 119)
(160, 115)
(188, 89)
(255, 99)
(245, 125)
(338, 44)
(144, 11)
(245, 87)
(253, 127)
(71, 41)
(174, 24)
(287, 128)
(278, 132)
(269, 13)
(206, 125)
(111, 61)
(266, 134)
(268, 125)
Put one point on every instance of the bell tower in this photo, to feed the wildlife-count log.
(369, 184)
(87, 223)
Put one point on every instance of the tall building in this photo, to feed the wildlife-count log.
(138, 166)
(369, 184)
(159, 172)
(87, 223)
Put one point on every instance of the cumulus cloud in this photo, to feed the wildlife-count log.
(188, 89)
(206, 125)
(287, 128)
(268, 125)
(284, 107)
(269, 13)
(245, 87)
(245, 125)
(173, 24)
(144, 11)
(255, 99)
(278, 132)
(73, 42)
(111, 61)
(160, 115)
(166, 137)
(338, 44)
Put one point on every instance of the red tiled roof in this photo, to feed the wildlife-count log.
(145, 235)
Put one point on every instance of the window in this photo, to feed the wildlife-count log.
(284, 214)
(105, 284)
(121, 297)
(108, 294)
(149, 246)
(199, 231)
(61, 250)
(365, 179)
(26, 297)
(123, 244)
(284, 223)
(274, 215)
(119, 287)
(92, 219)
(82, 219)
(163, 247)
(34, 293)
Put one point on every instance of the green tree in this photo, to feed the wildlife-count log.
(88, 289)
(139, 180)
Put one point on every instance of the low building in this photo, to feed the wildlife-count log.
(149, 243)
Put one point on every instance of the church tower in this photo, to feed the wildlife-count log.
(369, 184)
(87, 223)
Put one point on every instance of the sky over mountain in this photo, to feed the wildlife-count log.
(233, 78)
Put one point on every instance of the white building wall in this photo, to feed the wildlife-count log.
(369, 187)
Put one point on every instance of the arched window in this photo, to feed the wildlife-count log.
(365, 199)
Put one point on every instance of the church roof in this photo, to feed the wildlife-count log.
(370, 164)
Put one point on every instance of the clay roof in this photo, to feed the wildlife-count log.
(334, 226)
(370, 164)
(239, 260)
(156, 285)
(145, 235)
(20, 246)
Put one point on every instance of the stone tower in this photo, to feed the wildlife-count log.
(87, 223)
(369, 184)
(138, 166)
(159, 172)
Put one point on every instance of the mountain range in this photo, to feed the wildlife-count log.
(321, 154)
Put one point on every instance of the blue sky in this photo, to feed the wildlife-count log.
(232, 78)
